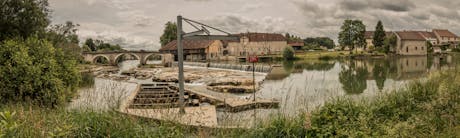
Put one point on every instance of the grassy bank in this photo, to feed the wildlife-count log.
(423, 109)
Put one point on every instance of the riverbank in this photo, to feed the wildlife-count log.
(423, 109)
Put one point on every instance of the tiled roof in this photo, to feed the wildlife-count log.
(260, 37)
(427, 34)
(444, 33)
(410, 35)
(188, 44)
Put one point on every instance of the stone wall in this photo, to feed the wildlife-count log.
(257, 48)
(411, 47)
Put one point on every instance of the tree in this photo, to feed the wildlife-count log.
(379, 35)
(319, 41)
(346, 34)
(23, 18)
(389, 43)
(90, 43)
(169, 33)
(33, 70)
(352, 34)
(64, 36)
(288, 53)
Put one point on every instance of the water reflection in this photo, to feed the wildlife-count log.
(353, 78)
(306, 84)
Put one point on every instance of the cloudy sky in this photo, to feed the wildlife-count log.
(138, 24)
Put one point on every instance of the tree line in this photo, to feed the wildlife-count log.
(38, 61)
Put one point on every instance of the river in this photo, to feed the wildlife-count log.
(303, 85)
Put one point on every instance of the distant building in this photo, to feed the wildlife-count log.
(410, 43)
(255, 44)
(296, 45)
(196, 50)
(445, 37)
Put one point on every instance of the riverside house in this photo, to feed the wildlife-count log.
(255, 44)
(410, 43)
(196, 50)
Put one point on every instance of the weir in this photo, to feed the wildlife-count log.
(263, 68)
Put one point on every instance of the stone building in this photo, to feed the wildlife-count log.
(410, 43)
(445, 37)
(296, 45)
(196, 50)
(255, 44)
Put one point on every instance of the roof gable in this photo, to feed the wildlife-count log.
(444, 33)
(410, 35)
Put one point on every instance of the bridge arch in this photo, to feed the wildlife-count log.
(118, 56)
(155, 56)
(97, 57)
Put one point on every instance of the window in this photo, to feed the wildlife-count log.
(407, 49)
(423, 48)
(416, 48)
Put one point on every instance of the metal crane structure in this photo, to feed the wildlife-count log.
(202, 33)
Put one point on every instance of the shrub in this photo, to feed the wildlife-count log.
(288, 53)
(33, 70)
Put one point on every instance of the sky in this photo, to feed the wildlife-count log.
(138, 24)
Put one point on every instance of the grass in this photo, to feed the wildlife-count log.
(428, 108)
(321, 54)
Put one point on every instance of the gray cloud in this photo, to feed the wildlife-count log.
(138, 24)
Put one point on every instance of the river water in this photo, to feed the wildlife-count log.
(304, 85)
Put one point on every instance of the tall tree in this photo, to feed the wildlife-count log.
(346, 34)
(169, 33)
(389, 43)
(360, 30)
(379, 35)
(352, 34)
(23, 18)
(90, 43)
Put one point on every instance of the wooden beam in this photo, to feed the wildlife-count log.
(212, 37)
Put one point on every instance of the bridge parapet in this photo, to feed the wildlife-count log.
(113, 56)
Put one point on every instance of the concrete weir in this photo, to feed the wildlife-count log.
(160, 101)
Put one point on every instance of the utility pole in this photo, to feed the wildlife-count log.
(193, 36)
(180, 54)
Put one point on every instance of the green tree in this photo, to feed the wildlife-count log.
(33, 70)
(288, 53)
(169, 33)
(346, 34)
(23, 18)
(352, 34)
(64, 36)
(90, 43)
(389, 43)
(379, 35)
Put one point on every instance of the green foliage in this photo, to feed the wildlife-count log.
(99, 45)
(319, 41)
(90, 44)
(352, 34)
(169, 33)
(292, 38)
(379, 35)
(389, 43)
(429, 46)
(34, 121)
(423, 109)
(64, 37)
(34, 70)
(288, 53)
(23, 18)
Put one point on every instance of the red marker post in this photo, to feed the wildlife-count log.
(253, 60)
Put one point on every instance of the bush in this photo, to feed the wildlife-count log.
(288, 53)
(33, 70)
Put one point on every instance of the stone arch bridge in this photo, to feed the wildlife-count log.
(114, 56)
